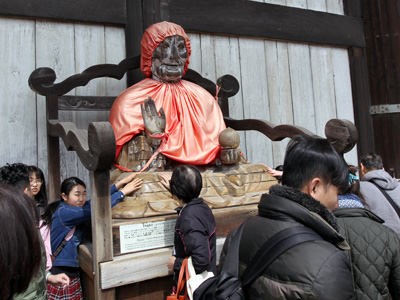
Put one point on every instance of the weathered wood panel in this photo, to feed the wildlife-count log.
(67, 48)
(305, 85)
(279, 92)
(342, 80)
(17, 102)
(101, 11)
(280, 82)
(382, 29)
(247, 18)
(55, 49)
(89, 50)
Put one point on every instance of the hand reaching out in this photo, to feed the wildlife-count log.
(165, 178)
(274, 172)
(125, 180)
(132, 186)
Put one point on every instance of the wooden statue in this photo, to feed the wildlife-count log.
(176, 118)
(165, 120)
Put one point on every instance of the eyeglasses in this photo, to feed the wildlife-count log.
(35, 180)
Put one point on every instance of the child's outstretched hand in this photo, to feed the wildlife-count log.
(125, 180)
(132, 186)
(274, 172)
(165, 178)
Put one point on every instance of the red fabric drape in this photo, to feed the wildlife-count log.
(194, 119)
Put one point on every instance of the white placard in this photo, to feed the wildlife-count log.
(145, 236)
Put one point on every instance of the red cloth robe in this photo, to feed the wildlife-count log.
(193, 117)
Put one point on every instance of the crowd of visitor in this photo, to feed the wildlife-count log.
(354, 214)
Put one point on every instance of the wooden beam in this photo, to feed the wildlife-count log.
(94, 11)
(140, 266)
(101, 229)
(262, 20)
(53, 150)
(133, 36)
(360, 86)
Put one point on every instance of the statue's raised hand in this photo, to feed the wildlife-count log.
(154, 122)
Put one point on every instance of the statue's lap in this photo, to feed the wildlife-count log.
(224, 186)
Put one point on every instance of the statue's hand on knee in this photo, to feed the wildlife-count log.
(230, 156)
(229, 140)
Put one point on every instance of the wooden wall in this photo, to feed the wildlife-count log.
(286, 83)
(382, 29)
(283, 82)
(68, 48)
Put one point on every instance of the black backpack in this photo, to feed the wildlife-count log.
(227, 285)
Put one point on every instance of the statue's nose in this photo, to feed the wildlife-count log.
(173, 54)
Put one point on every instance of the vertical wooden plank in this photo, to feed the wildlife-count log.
(301, 80)
(279, 95)
(227, 61)
(360, 86)
(208, 57)
(114, 53)
(101, 228)
(133, 35)
(342, 81)
(195, 57)
(89, 50)
(55, 49)
(255, 97)
(18, 102)
(322, 79)
(53, 151)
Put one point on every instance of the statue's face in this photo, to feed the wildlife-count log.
(169, 59)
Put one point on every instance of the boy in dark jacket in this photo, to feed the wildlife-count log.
(313, 173)
(195, 226)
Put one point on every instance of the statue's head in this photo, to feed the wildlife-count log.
(165, 52)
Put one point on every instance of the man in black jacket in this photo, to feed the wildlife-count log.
(313, 174)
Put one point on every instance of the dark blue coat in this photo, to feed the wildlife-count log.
(195, 236)
(64, 219)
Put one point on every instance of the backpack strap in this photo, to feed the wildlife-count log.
(274, 247)
(64, 242)
(392, 203)
(232, 254)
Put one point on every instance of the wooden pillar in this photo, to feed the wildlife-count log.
(101, 229)
(382, 30)
(360, 86)
(53, 148)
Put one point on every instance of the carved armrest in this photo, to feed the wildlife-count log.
(273, 132)
(42, 80)
(95, 147)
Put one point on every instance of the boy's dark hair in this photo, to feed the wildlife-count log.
(372, 161)
(186, 183)
(20, 252)
(16, 175)
(307, 158)
(41, 197)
